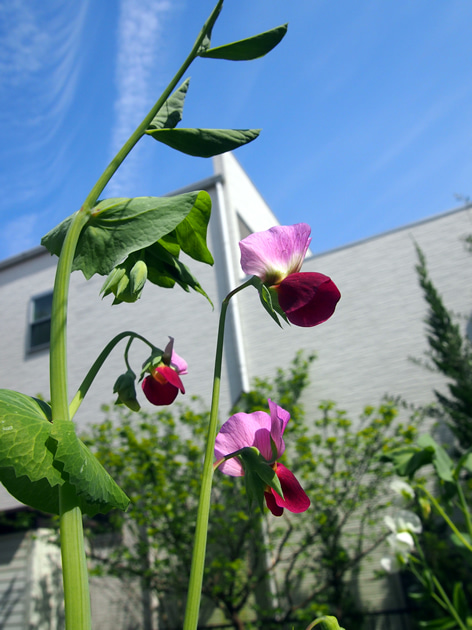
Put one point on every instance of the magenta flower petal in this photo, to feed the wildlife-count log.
(240, 431)
(171, 376)
(274, 254)
(272, 505)
(308, 299)
(159, 393)
(295, 498)
(170, 357)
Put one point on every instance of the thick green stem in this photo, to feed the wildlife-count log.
(201, 529)
(74, 567)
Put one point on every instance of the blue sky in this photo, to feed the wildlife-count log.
(365, 107)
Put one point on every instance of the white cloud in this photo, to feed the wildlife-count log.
(139, 41)
(40, 60)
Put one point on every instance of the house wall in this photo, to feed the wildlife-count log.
(364, 350)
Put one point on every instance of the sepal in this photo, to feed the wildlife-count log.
(258, 474)
(126, 390)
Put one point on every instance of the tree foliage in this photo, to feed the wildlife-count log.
(451, 354)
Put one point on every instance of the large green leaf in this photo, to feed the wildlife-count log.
(204, 142)
(118, 227)
(37, 457)
(92, 484)
(170, 113)
(26, 463)
(250, 48)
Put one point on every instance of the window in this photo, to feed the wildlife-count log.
(40, 321)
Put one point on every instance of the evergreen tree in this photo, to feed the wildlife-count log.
(450, 351)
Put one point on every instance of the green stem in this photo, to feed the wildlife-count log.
(464, 507)
(445, 517)
(201, 529)
(99, 361)
(448, 604)
(74, 567)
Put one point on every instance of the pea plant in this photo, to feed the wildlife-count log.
(131, 241)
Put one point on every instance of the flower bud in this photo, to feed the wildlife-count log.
(124, 387)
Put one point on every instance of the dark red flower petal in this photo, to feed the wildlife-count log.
(295, 498)
(272, 505)
(159, 393)
(171, 375)
(308, 298)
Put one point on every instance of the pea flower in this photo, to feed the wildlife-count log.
(276, 257)
(162, 385)
(402, 525)
(265, 432)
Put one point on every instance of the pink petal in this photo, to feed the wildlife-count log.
(308, 299)
(179, 365)
(295, 498)
(279, 418)
(171, 376)
(239, 431)
(170, 357)
(274, 254)
(159, 393)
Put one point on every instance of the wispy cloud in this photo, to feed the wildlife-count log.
(139, 42)
(39, 66)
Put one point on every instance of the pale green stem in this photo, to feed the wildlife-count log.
(464, 507)
(442, 599)
(201, 529)
(445, 517)
(74, 567)
(99, 361)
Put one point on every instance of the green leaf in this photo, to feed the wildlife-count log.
(26, 462)
(93, 485)
(38, 457)
(208, 26)
(408, 459)
(269, 300)
(204, 142)
(170, 113)
(441, 460)
(250, 48)
(165, 270)
(119, 227)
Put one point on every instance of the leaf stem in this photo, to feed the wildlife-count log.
(99, 361)
(201, 529)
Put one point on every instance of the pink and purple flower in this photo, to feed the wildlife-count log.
(264, 432)
(276, 257)
(162, 385)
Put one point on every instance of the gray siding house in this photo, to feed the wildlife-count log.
(364, 351)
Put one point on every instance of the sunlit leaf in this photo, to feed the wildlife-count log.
(121, 226)
(250, 48)
(83, 471)
(204, 142)
(170, 113)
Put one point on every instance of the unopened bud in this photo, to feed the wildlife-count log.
(137, 278)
